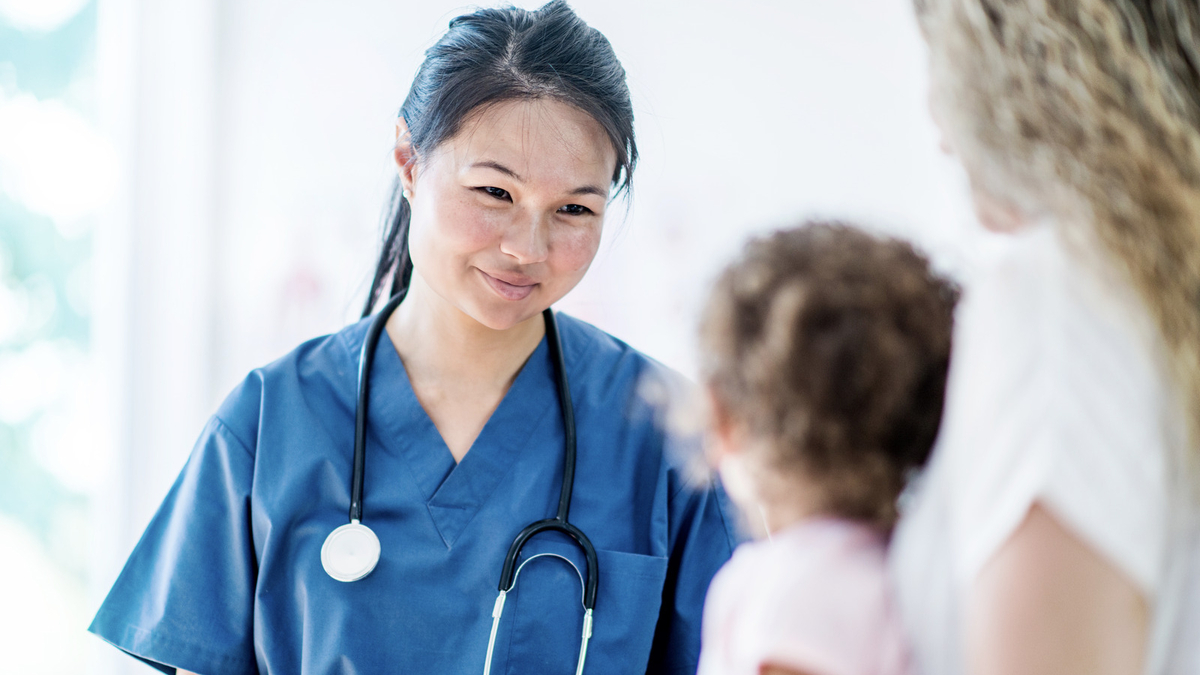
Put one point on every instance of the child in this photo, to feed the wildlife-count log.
(826, 352)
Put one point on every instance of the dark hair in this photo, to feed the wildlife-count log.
(495, 55)
(833, 346)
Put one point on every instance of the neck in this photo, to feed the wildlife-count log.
(782, 515)
(439, 343)
(788, 501)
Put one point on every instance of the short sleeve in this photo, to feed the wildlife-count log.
(185, 596)
(1056, 396)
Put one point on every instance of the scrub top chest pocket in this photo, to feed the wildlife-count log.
(543, 622)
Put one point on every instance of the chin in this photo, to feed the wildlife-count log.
(501, 318)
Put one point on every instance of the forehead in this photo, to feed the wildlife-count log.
(542, 140)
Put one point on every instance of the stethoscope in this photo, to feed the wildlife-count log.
(351, 551)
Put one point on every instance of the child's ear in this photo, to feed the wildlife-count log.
(723, 430)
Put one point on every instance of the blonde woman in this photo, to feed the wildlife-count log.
(1055, 530)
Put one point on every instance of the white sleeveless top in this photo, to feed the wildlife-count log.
(1059, 393)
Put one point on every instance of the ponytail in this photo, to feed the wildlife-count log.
(393, 257)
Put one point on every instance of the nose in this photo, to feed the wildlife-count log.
(527, 240)
(944, 146)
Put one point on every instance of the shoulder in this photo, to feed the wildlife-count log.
(1057, 393)
(592, 351)
(1061, 303)
(816, 569)
(608, 372)
(319, 371)
(649, 407)
(815, 598)
(1051, 336)
(831, 563)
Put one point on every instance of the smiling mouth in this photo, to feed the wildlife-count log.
(506, 290)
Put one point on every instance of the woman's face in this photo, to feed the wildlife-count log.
(995, 214)
(507, 214)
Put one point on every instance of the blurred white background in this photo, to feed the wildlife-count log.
(190, 188)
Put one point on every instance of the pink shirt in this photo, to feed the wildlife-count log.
(814, 600)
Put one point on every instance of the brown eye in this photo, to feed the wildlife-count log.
(575, 210)
(496, 192)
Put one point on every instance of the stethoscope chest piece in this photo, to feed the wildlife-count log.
(350, 552)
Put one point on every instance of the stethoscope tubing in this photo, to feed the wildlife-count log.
(559, 522)
(365, 360)
(359, 547)
(498, 611)
(568, 415)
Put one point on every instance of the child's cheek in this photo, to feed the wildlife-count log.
(736, 479)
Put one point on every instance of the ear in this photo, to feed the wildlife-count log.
(405, 156)
(725, 433)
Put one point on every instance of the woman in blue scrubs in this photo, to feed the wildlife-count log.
(514, 136)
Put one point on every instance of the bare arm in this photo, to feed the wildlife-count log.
(1048, 604)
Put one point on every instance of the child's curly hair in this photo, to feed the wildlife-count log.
(832, 345)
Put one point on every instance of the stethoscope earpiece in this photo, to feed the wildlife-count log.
(350, 552)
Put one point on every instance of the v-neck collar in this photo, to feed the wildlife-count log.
(454, 493)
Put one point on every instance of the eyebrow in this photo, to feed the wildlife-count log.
(497, 166)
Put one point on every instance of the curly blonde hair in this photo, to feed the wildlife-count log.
(1090, 110)
(832, 345)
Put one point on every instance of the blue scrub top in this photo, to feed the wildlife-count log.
(228, 579)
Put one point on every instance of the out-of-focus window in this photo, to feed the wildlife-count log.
(55, 172)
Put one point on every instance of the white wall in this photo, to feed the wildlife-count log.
(256, 135)
(750, 115)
